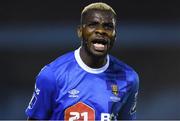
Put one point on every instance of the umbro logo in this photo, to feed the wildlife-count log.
(73, 93)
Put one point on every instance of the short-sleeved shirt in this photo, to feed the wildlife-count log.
(67, 89)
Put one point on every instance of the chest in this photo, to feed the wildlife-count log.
(101, 93)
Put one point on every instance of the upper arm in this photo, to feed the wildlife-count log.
(41, 103)
(128, 110)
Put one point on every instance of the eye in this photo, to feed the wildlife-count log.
(108, 26)
(92, 24)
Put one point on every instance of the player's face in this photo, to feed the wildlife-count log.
(98, 32)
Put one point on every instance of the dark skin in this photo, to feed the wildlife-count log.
(98, 33)
(97, 27)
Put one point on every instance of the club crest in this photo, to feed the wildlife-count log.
(114, 89)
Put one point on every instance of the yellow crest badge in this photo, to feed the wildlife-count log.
(114, 89)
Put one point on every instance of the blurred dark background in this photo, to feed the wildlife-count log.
(34, 33)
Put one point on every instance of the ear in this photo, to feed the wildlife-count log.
(79, 31)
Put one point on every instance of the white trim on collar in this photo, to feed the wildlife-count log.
(87, 68)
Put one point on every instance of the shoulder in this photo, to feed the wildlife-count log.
(121, 67)
(56, 71)
(62, 60)
(45, 79)
(115, 62)
(62, 63)
(48, 72)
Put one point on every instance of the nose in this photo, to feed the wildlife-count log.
(100, 31)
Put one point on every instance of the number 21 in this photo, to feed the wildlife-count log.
(76, 115)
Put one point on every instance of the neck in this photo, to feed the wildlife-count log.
(90, 60)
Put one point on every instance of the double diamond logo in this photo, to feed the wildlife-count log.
(73, 93)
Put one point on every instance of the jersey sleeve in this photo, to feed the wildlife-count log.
(128, 110)
(40, 106)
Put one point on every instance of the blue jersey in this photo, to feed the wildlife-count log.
(67, 89)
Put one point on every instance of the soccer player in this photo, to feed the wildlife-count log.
(88, 83)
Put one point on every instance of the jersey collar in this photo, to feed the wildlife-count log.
(87, 68)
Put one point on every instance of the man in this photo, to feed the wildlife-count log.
(87, 84)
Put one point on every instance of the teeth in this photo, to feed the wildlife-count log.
(99, 45)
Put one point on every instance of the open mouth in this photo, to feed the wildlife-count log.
(100, 44)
